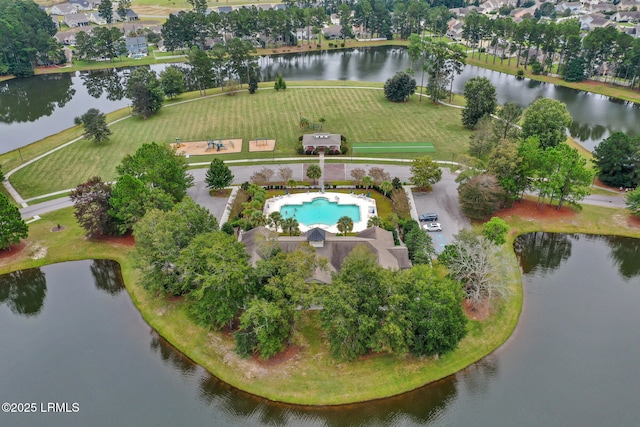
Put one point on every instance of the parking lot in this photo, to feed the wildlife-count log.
(443, 200)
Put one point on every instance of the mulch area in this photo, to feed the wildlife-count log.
(13, 250)
(479, 312)
(127, 240)
(529, 209)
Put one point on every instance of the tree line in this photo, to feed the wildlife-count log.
(603, 51)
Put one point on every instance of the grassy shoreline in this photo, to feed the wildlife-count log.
(312, 377)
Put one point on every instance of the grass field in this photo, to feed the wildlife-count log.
(392, 147)
(359, 114)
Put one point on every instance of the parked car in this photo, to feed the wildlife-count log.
(429, 216)
(432, 226)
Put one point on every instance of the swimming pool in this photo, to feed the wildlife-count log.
(323, 210)
(320, 211)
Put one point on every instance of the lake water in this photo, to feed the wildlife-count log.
(71, 334)
(33, 108)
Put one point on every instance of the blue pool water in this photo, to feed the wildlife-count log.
(320, 211)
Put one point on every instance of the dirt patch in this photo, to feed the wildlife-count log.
(262, 145)
(201, 148)
(288, 354)
(480, 311)
(529, 209)
(13, 250)
(58, 228)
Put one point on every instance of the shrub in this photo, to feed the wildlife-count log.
(401, 203)
(227, 228)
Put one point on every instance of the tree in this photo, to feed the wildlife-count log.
(105, 9)
(506, 125)
(12, 226)
(264, 327)
(172, 81)
(617, 159)
(495, 230)
(275, 219)
(95, 125)
(547, 119)
(285, 173)
(131, 199)
(566, 175)
(378, 175)
(143, 88)
(358, 174)
(160, 236)
(27, 38)
(216, 271)
(123, 6)
(353, 305)
(481, 100)
(218, 175)
(477, 263)
(344, 13)
(399, 87)
(91, 207)
(433, 309)
(1, 174)
(291, 226)
(159, 167)
(345, 225)
(419, 244)
(574, 71)
(314, 172)
(633, 201)
(280, 83)
(483, 139)
(201, 69)
(480, 196)
(425, 172)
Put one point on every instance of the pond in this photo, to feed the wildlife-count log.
(33, 108)
(71, 334)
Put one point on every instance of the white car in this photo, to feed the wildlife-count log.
(432, 226)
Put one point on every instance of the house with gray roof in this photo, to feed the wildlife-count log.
(602, 8)
(136, 46)
(76, 20)
(626, 16)
(573, 7)
(63, 9)
(85, 4)
(334, 249)
(96, 18)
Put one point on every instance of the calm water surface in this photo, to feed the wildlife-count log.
(71, 334)
(33, 108)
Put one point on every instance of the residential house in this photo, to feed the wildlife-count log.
(627, 5)
(76, 20)
(63, 9)
(321, 142)
(461, 12)
(627, 16)
(602, 8)
(454, 31)
(518, 14)
(279, 6)
(82, 5)
(130, 16)
(56, 21)
(136, 46)
(334, 19)
(573, 8)
(332, 32)
(594, 20)
(67, 38)
(331, 247)
(225, 9)
(96, 18)
(632, 31)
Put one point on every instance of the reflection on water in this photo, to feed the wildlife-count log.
(543, 252)
(51, 102)
(28, 99)
(24, 291)
(89, 344)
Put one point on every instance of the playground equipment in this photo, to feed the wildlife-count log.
(217, 144)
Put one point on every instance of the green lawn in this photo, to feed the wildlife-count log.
(359, 114)
(367, 148)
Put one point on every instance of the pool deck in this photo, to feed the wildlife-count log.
(366, 205)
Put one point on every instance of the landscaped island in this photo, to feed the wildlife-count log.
(306, 373)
